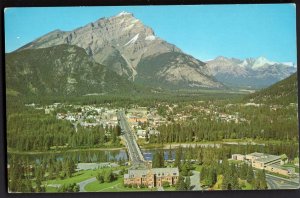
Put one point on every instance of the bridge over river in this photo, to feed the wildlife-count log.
(135, 154)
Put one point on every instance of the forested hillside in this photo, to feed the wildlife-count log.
(62, 70)
(283, 92)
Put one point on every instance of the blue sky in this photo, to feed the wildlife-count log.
(204, 31)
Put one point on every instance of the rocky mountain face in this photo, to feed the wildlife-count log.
(250, 73)
(126, 46)
(60, 70)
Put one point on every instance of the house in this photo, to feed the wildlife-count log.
(238, 157)
(154, 132)
(141, 133)
(154, 177)
(48, 110)
(60, 116)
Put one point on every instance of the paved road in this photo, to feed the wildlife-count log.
(195, 181)
(134, 151)
(84, 183)
(275, 182)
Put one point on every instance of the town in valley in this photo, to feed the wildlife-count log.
(163, 98)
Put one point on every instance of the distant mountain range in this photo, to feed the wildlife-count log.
(250, 73)
(120, 54)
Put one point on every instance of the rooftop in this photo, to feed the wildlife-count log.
(281, 167)
(255, 154)
(268, 158)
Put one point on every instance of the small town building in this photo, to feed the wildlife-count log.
(238, 157)
(154, 177)
(141, 133)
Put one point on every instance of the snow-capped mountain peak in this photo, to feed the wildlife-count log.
(290, 64)
(251, 72)
(262, 61)
(123, 13)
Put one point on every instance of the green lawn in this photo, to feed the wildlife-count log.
(292, 166)
(96, 186)
(218, 184)
(77, 177)
(197, 167)
(51, 189)
(115, 186)
(235, 161)
(171, 188)
(247, 186)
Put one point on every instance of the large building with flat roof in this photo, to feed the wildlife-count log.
(264, 161)
(151, 177)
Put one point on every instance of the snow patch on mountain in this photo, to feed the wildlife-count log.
(123, 13)
(134, 21)
(150, 38)
(134, 72)
(262, 61)
(291, 64)
(133, 39)
(128, 27)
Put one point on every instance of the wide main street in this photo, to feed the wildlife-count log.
(134, 151)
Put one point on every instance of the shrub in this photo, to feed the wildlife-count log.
(142, 186)
(165, 184)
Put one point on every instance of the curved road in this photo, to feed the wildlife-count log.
(195, 181)
(275, 182)
(84, 183)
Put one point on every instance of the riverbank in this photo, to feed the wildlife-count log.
(11, 151)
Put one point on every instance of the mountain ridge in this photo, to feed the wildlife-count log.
(251, 72)
(60, 70)
(122, 42)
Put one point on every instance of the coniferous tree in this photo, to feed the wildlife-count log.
(250, 175)
(260, 180)
(109, 176)
(188, 183)
(243, 171)
(181, 185)
(178, 157)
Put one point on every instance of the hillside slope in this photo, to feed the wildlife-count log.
(282, 92)
(60, 70)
